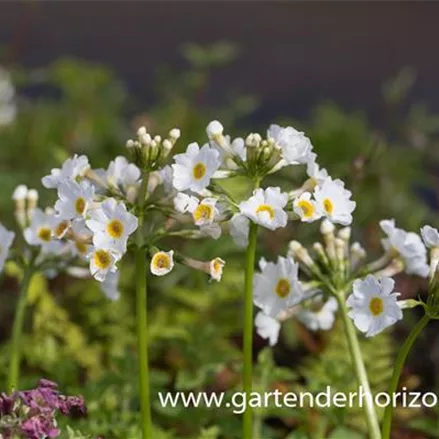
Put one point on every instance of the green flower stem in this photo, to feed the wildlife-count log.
(248, 328)
(142, 317)
(17, 329)
(360, 369)
(399, 364)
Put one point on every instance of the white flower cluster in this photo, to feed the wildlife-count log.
(195, 172)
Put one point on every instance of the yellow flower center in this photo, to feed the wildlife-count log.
(376, 306)
(61, 228)
(283, 288)
(80, 205)
(161, 260)
(203, 212)
(102, 259)
(328, 206)
(45, 234)
(199, 171)
(115, 229)
(81, 246)
(307, 208)
(266, 208)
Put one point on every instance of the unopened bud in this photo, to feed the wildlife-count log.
(167, 144)
(214, 129)
(142, 132)
(175, 134)
(20, 193)
(345, 234)
(327, 227)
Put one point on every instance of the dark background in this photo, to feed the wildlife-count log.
(293, 54)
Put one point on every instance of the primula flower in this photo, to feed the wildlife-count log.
(112, 225)
(40, 230)
(408, 246)
(322, 318)
(6, 239)
(216, 268)
(194, 169)
(296, 147)
(102, 262)
(265, 208)
(185, 203)
(74, 199)
(374, 305)
(122, 174)
(307, 209)
(315, 173)
(239, 228)
(430, 236)
(204, 214)
(162, 263)
(334, 201)
(267, 327)
(73, 169)
(277, 287)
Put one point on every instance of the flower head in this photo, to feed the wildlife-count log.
(267, 327)
(408, 246)
(296, 147)
(194, 169)
(162, 263)
(112, 225)
(216, 268)
(265, 207)
(122, 174)
(74, 199)
(102, 262)
(334, 201)
(315, 173)
(277, 287)
(6, 239)
(40, 230)
(73, 169)
(320, 318)
(307, 209)
(374, 305)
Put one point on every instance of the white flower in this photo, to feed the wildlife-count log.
(73, 169)
(296, 147)
(265, 208)
(110, 286)
(166, 175)
(408, 246)
(267, 327)
(306, 208)
(239, 228)
(162, 263)
(82, 238)
(321, 319)
(277, 287)
(112, 225)
(194, 169)
(334, 201)
(6, 239)
(374, 305)
(40, 230)
(430, 236)
(317, 174)
(204, 212)
(74, 199)
(102, 262)
(121, 173)
(185, 203)
(216, 268)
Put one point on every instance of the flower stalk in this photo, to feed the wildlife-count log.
(399, 364)
(248, 328)
(360, 369)
(17, 330)
(142, 317)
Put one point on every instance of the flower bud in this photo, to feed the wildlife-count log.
(174, 134)
(214, 129)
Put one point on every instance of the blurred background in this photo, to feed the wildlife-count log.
(359, 77)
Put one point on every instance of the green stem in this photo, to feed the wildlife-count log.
(142, 317)
(17, 329)
(360, 370)
(248, 328)
(397, 369)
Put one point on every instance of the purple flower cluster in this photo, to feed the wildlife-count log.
(32, 413)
